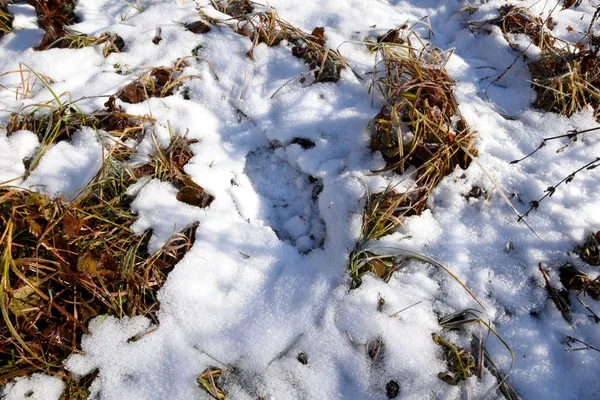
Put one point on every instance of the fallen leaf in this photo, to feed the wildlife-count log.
(195, 196)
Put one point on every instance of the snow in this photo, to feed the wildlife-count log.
(267, 276)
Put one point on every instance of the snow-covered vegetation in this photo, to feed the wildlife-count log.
(333, 199)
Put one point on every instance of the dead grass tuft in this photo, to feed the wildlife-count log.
(590, 251)
(158, 82)
(383, 212)
(65, 262)
(209, 382)
(113, 43)
(268, 28)
(52, 124)
(419, 124)
(567, 81)
(519, 20)
(6, 20)
(53, 17)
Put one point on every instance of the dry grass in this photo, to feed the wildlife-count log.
(53, 123)
(419, 125)
(461, 364)
(6, 20)
(590, 251)
(519, 20)
(67, 261)
(53, 17)
(567, 81)
(267, 27)
(112, 42)
(380, 265)
(383, 212)
(158, 82)
(27, 78)
(209, 382)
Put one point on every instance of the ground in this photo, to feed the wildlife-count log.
(267, 295)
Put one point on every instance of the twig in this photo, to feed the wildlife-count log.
(533, 205)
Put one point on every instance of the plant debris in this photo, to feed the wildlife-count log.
(590, 251)
(302, 359)
(374, 348)
(567, 80)
(392, 389)
(420, 124)
(559, 298)
(197, 27)
(158, 82)
(519, 20)
(53, 17)
(362, 262)
(574, 279)
(52, 124)
(461, 364)
(209, 381)
(65, 262)
(235, 8)
(6, 20)
(268, 28)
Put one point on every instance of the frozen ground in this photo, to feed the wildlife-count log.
(267, 277)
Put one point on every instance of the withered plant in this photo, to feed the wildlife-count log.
(6, 19)
(419, 125)
(267, 27)
(567, 80)
(158, 82)
(64, 262)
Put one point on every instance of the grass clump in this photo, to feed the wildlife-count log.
(419, 125)
(64, 262)
(462, 363)
(53, 17)
(567, 80)
(113, 43)
(6, 20)
(267, 27)
(519, 20)
(53, 123)
(158, 82)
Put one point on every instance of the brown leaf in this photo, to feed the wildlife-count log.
(33, 227)
(87, 262)
(72, 224)
(319, 33)
(197, 27)
(568, 4)
(195, 196)
(133, 93)
(162, 76)
(587, 62)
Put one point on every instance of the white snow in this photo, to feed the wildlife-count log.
(267, 276)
